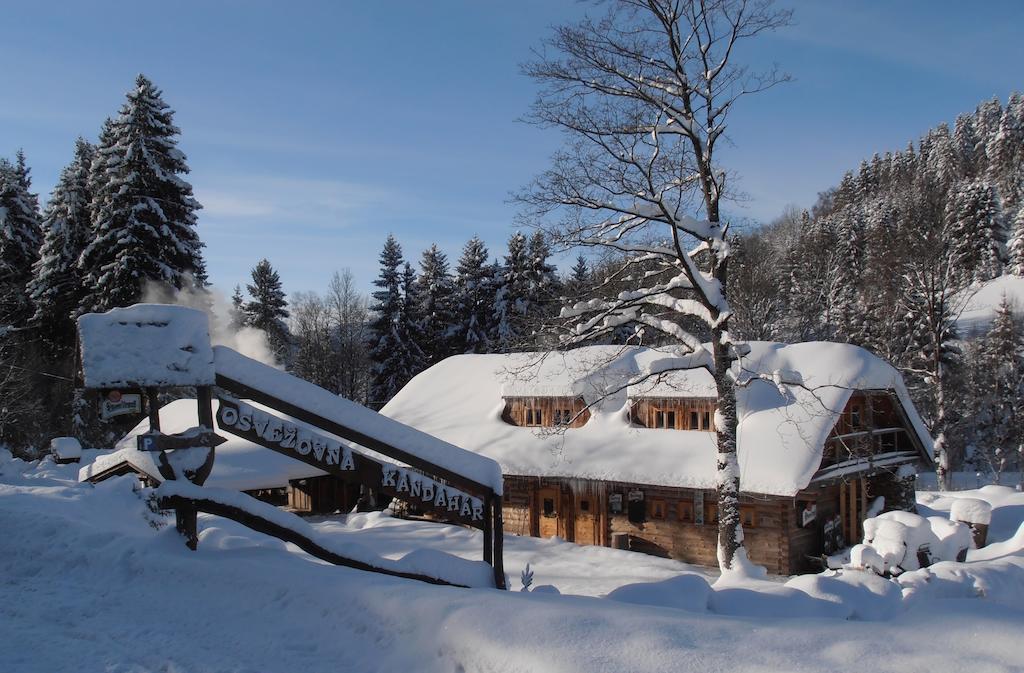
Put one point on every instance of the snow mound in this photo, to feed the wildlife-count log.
(428, 562)
(686, 592)
(146, 345)
(971, 510)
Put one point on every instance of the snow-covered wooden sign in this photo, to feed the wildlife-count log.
(329, 454)
(146, 345)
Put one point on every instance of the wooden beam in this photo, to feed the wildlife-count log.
(488, 532)
(152, 404)
(842, 506)
(499, 545)
(261, 525)
(365, 470)
(352, 435)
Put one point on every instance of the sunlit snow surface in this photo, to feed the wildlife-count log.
(89, 585)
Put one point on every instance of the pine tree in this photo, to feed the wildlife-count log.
(435, 290)
(395, 357)
(1016, 246)
(473, 299)
(143, 213)
(20, 237)
(511, 295)
(411, 322)
(998, 391)
(268, 308)
(974, 220)
(237, 309)
(56, 288)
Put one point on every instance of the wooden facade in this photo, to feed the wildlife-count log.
(569, 412)
(682, 523)
(787, 535)
(675, 413)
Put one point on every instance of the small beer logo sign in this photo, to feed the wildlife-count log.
(117, 403)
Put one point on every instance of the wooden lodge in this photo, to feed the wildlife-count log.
(785, 534)
(595, 469)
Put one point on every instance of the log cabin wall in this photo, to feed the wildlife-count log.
(570, 412)
(662, 522)
(321, 495)
(675, 413)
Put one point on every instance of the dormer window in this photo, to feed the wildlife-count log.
(534, 416)
(674, 413)
(535, 412)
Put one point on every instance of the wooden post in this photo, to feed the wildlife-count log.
(499, 545)
(153, 409)
(488, 531)
(852, 510)
(842, 507)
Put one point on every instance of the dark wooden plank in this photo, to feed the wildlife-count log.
(261, 525)
(498, 562)
(364, 470)
(352, 435)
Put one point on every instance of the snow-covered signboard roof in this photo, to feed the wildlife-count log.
(789, 398)
(146, 345)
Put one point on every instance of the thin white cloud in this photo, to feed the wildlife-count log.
(288, 200)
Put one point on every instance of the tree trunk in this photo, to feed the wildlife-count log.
(730, 531)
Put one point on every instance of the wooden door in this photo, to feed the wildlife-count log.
(548, 502)
(852, 508)
(586, 521)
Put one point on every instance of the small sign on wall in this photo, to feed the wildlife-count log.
(119, 404)
(698, 508)
(615, 503)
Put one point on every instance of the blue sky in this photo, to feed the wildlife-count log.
(315, 129)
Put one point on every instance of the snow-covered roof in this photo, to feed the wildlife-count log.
(146, 345)
(789, 400)
(239, 464)
(981, 303)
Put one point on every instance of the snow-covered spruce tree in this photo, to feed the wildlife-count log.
(474, 296)
(395, 358)
(435, 290)
(544, 286)
(1016, 245)
(975, 221)
(21, 408)
(643, 96)
(411, 321)
(999, 393)
(56, 288)
(267, 310)
(143, 213)
(20, 236)
(511, 295)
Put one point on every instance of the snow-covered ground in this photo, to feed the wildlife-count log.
(88, 584)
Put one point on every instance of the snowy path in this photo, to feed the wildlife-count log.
(88, 585)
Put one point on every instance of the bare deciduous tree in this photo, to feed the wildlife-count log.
(643, 96)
